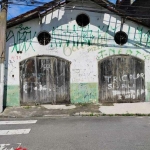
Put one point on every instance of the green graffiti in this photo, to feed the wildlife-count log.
(22, 40)
(100, 54)
(129, 51)
(148, 38)
(146, 57)
(68, 37)
(21, 28)
(111, 50)
(137, 53)
(67, 50)
(76, 36)
(140, 31)
(120, 51)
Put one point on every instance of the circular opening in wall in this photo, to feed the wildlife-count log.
(82, 20)
(44, 38)
(121, 38)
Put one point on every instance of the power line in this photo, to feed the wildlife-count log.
(125, 14)
(38, 3)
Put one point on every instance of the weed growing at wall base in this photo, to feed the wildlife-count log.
(127, 114)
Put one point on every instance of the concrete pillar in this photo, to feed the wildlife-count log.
(3, 20)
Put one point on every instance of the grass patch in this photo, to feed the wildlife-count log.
(91, 114)
(83, 104)
(107, 104)
(103, 114)
(27, 107)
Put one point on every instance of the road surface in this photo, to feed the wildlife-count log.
(76, 133)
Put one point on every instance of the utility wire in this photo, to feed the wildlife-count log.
(143, 17)
(99, 11)
(38, 3)
(67, 6)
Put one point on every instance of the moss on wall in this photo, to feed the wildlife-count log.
(84, 92)
(79, 92)
(11, 95)
(147, 99)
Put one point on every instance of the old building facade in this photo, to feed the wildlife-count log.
(76, 52)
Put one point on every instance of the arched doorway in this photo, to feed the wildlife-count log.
(121, 79)
(44, 79)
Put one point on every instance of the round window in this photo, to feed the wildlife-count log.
(121, 38)
(82, 20)
(44, 38)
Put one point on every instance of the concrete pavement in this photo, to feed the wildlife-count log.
(127, 108)
(78, 110)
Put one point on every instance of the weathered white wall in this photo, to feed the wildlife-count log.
(98, 43)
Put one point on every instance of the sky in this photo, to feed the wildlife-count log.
(15, 10)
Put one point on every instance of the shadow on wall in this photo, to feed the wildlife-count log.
(5, 97)
(65, 32)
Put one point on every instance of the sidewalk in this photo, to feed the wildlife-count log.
(125, 109)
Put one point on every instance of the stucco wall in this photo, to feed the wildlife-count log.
(84, 47)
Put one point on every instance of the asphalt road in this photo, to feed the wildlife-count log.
(80, 133)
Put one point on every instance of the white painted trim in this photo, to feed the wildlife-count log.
(18, 122)
(14, 132)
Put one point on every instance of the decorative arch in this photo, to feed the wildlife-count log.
(121, 79)
(44, 79)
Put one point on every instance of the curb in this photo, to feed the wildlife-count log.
(86, 114)
(90, 114)
(57, 115)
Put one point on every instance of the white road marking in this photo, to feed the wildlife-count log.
(10, 146)
(14, 132)
(18, 122)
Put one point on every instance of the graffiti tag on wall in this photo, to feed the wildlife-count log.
(22, 40)
(125, 78)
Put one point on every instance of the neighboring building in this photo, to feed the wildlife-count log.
(136, 8)
(65, 52)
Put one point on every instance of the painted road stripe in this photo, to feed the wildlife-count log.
(18, 122)
(9, 146)
(14, 132)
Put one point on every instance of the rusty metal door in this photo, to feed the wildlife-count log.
(45, 79)
(121, 79)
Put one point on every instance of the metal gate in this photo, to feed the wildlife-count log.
(45, 79)
(121, 79)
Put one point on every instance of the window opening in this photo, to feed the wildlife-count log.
(44, 38)
(82, 20)
(121, 38)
